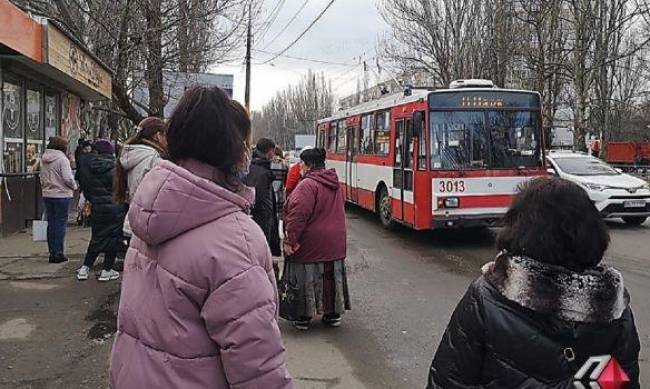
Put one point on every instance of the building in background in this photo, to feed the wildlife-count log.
(176, 83)
(45, 78)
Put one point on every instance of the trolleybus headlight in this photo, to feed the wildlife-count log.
(448, 202)
(451, 202)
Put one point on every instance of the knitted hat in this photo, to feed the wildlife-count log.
(104, 146)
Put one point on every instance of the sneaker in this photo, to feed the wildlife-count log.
(301, 325)
(333, 320)
(83, 272)
(108, 275)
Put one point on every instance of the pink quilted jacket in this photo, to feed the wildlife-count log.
(199, 301)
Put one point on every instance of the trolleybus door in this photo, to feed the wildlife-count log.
(351, 166)
(403, 208)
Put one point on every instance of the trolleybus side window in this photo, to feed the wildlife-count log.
(340, 136)
(367, 124)
(419, 131)
(408, 157)
(321, 137)
(382, 133)
(331, 138)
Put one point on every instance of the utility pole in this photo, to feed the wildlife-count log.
(249, 38)
(315, 106)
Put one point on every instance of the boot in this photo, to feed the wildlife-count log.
(58, 258)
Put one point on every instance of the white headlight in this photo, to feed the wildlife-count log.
(594, 186)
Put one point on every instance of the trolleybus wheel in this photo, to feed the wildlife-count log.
(385, 210)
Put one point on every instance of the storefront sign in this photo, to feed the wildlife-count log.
(67, 56)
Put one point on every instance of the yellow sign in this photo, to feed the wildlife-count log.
(67, 56)
(481, 102)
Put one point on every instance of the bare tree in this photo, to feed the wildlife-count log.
(295, 110)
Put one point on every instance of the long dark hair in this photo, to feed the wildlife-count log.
(552, 220)
(209, 127)
(147, 130)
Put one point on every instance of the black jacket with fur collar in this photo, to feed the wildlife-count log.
(516, 325)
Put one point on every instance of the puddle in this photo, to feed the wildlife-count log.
(104, 319)
(32, 285)
(16, 329)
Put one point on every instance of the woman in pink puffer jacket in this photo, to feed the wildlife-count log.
(199, 302)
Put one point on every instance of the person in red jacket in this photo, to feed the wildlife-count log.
(293, 176)
(315, 243)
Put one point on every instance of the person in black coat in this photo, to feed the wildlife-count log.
(107, 218)
(545, 305)
(261, 178)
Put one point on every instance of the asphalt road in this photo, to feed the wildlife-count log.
(406, 284)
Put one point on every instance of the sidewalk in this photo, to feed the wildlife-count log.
(56, 332)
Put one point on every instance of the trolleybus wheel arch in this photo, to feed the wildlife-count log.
(384, 209)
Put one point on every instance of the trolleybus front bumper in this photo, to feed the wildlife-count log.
(467, 221)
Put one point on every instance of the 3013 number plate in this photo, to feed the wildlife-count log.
(451, 186)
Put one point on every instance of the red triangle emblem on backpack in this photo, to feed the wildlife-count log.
(613, 376)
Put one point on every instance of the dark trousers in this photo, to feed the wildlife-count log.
(57, 220)
(109, 259)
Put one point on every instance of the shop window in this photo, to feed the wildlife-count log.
(340, 137)
(382, 133)
(12, 154)
(51, 115)
(33, 130)
(367, 124)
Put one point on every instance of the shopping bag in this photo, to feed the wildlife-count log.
(39, 230)
(288, 289)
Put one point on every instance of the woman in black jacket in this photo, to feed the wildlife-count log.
(107, 217)
(545, 306)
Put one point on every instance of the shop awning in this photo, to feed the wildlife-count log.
(47, 49)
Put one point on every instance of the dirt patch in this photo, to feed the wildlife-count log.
(16, 329)
(104, 319)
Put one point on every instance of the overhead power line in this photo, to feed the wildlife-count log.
(266, 25)
(293, 18)
(303, 33)
(301, 58)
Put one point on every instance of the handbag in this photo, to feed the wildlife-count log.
(39, 229)
(288, 290)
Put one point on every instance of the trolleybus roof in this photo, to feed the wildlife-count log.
(395, 99)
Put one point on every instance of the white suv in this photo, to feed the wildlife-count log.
(614, 193)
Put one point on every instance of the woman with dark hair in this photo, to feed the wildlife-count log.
(107, 216)
(138, 156)
(545, 305)
(58, 186)
(198, 305)
(315, 243)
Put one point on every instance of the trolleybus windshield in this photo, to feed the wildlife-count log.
(485, 137)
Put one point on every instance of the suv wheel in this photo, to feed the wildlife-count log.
(634, 220)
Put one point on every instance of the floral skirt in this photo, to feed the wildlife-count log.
(322, 288)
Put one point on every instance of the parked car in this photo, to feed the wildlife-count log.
(615, 194)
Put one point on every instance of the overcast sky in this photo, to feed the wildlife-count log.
(348, 30)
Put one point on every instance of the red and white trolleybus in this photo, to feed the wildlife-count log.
(437, 158)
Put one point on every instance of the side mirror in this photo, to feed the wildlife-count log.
(551, 171)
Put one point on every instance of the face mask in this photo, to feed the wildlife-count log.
(245, 167)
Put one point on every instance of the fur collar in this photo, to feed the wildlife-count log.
(596, 295)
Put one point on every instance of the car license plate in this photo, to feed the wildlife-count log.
(634, 204)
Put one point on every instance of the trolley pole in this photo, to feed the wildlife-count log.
(247, 93)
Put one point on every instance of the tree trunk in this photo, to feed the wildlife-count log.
(154, 71)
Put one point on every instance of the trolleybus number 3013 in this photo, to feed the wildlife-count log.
(451, 186)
